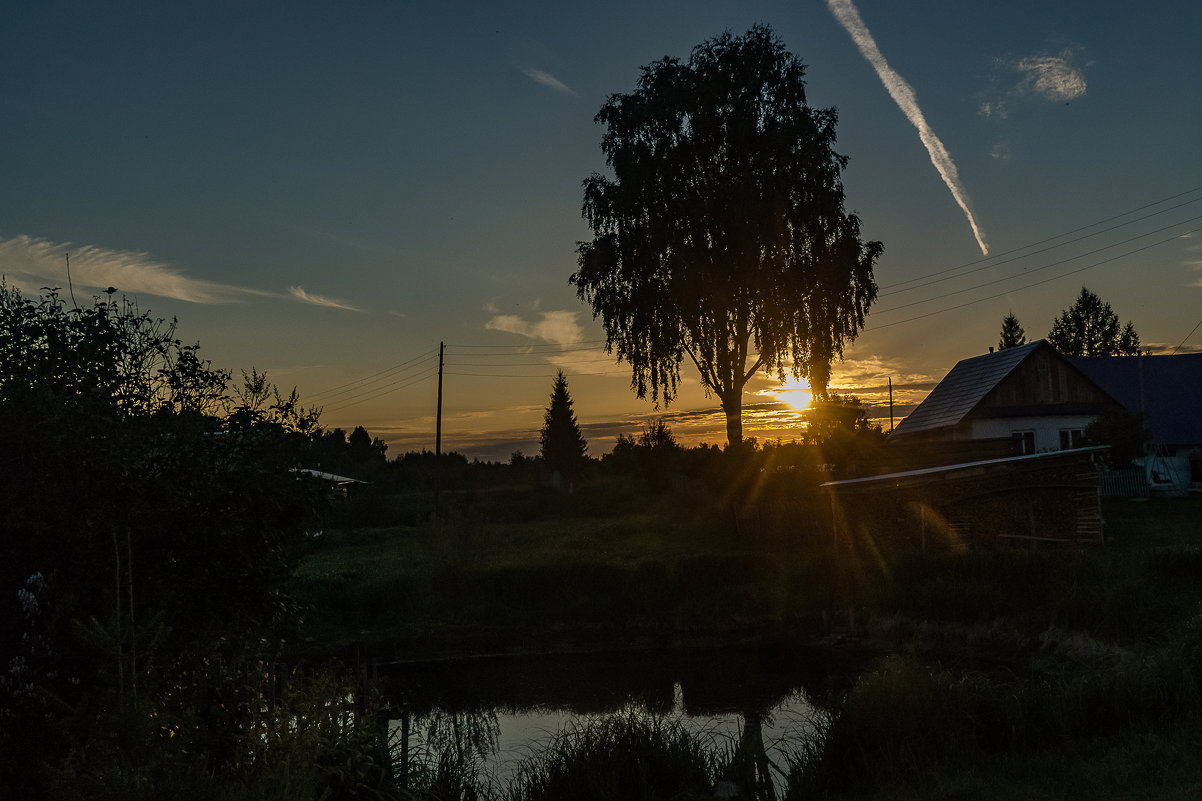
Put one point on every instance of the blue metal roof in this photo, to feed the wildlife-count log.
(963, 388)
(1166, 388)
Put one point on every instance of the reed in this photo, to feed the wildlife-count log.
(627, 755)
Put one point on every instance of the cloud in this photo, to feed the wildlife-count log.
(903, 94)
(1053, 78)
(300, 294)
(994, 108)
(548, 80)
(559, 327)
(1056, 78)
(133, 272)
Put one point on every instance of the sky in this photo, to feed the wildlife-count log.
(327, 192)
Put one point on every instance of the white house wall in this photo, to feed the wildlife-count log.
(1047, 429)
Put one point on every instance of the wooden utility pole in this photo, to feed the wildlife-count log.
(890, 403)
(438, 417)
(438, 433)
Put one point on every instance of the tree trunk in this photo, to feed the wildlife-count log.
(732, 405)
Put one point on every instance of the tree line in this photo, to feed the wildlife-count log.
(1088, 327)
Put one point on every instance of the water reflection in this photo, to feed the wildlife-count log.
(756, 704)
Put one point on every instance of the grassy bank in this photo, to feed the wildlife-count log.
(538, 568)
(1059, 672)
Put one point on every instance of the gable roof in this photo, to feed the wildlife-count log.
(964, 387)
(1167, 388)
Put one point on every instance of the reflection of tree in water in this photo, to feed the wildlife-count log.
(447, 747)
(751, 756)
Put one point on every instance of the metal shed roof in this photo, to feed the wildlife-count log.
(889, 480)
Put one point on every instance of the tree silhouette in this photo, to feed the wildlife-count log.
(563, 447)
(1012, 334)
(143, 495)
(1091, 328)
(722, 235)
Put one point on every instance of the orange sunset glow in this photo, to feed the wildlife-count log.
(794, 392)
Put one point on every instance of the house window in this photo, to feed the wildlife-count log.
(1071, 438)
(1027, 440)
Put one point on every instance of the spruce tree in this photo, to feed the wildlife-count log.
(1091, 328)
(1013, 334)
(563, 447)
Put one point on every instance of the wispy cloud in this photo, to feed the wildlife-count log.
(1056, 78)
(134, 272)
(902, 93)
(1053, 78)
(559, 327)
(548, 80)
(302, 295)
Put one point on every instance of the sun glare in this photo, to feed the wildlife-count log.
(795, 393)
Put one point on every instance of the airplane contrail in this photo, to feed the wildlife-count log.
(903, 94)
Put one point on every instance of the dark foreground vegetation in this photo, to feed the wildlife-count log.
(185, 617)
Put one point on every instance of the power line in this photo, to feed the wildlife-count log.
(1053, 264)
(535, 347)
(366, 388)
(1031, 285)
(513, 375)
(1057, 236)
(524, 364)
(358, 383)
(992, 264)
(1187, 336)
(415, 380)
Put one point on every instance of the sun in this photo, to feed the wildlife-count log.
(795, 393)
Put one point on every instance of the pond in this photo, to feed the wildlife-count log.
(501, 710)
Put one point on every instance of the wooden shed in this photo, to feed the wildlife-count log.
(1036, 498)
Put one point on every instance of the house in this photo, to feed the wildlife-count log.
(1038, 401)
(1167, 392)
(1029, 398)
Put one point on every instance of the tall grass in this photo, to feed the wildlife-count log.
(906, 720)
(627, 755)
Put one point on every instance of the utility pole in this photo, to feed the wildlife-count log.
(438, 418)
(438, 433)
(891, 403)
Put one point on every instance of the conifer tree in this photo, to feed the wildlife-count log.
(563, 446)
(1091, 328)
(1013, 334)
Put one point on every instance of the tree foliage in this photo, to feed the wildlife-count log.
(563, 446)
(722, 235)
(653, 456)
(1091, 328)
(1012, 334)
(145, 498)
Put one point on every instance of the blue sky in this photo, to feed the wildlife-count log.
(328, 191)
